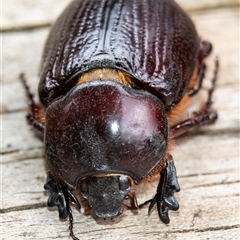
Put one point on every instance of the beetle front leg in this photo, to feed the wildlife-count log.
(164, 198)
(58, 196)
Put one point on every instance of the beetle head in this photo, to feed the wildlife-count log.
(105, 195)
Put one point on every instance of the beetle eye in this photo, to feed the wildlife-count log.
(84, 186)
(124, 183)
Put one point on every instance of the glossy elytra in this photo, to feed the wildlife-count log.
(113, 76)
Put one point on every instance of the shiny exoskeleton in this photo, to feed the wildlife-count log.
(112, 74)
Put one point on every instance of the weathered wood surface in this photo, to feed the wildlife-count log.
(207, 161)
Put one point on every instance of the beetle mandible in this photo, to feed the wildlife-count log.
(112, 74)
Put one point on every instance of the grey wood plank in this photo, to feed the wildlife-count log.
(25, 14)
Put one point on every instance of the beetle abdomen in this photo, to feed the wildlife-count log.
(158, 49)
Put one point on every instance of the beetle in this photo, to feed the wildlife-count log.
(114, 74)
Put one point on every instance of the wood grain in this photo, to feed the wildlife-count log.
(207, 160)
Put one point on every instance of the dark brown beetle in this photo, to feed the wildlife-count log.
(113, 74)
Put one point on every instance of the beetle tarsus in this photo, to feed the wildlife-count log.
(211, 90)
(31, 102)
(164, 198)
(31, 116)
(71, 224)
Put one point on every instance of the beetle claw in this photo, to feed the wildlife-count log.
(57, 196)
(163, 212)
(164, 197)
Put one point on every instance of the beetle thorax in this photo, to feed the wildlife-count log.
(105, 127)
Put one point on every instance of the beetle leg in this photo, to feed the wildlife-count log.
(205, 50)
(71, 224)
(34, 108)
(133, 204)
(200, 77)
(204, 116)
(74, 199)
(164, 198)
(58, 196)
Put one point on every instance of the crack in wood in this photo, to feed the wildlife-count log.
(215, 184)
(207, 229)
(23, 207)
(207, 173)
(26, 28)
(19, 156)
(216, 132)
(5, 111)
